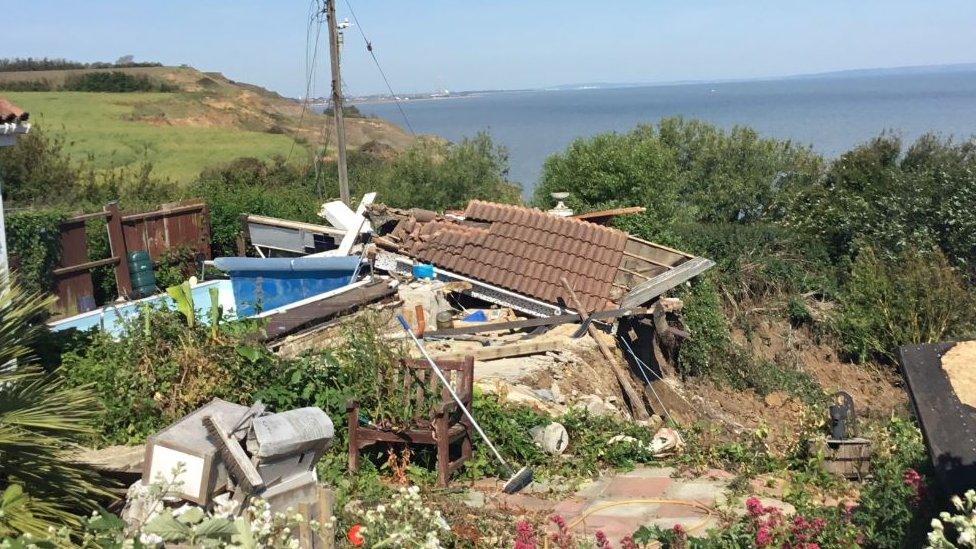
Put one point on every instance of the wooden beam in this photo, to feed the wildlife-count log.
(636, 404)
(647, 259)
(288, 224)
(85, 266)
(118, 249)
(534, 322)
(504, 351)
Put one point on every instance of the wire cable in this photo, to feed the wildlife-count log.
(309, 67)
(369, 48)
(641, 366)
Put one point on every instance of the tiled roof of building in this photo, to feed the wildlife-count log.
(521, 249)
(11, 113)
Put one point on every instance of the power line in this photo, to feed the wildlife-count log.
(369, 48)
(309, 66)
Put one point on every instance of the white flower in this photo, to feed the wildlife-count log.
(150, 539)
(967, 537)
(936, 524)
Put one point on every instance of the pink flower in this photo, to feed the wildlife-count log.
(627, 542)
(763, 536)
(601, 540)
(754, 506)
(562, 538)
(913, 480)
(524, 535)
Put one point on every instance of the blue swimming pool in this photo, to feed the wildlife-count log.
(112, 318)
(255, 285)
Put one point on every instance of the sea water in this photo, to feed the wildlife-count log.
(832, 114)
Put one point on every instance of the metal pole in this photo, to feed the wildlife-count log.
(4, 260)
(337, 100)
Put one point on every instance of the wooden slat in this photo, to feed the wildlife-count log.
(503, 351)
(85, 266)
(533, 322)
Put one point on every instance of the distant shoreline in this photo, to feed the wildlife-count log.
(839, 74)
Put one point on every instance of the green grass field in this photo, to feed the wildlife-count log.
(95, 127)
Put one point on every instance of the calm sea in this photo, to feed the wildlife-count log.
(831, 114)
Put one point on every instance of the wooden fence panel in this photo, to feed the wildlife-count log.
(185, 224)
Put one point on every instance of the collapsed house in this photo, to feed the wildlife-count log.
(518, 257)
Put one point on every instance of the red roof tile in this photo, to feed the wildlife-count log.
(521, 249)
(11, 113)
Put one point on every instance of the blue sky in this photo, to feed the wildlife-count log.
(425, 45)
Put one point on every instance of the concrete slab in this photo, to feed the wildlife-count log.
(625, 488)
(650, 472)
(698, 490)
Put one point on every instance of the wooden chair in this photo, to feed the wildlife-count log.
(445, 426)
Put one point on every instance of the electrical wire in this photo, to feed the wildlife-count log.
(641, 367)
(309, 66)
(369, 48)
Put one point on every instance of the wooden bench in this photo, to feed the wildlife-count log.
(445, 426)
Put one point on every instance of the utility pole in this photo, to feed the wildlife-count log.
(337, 100)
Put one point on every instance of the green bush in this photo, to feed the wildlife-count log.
(114, 82)
(893, 509)
(34, 238)
(38, 170)
(680, 170)
(160, 370)
(891, 199)
(252, 186)
(437, 175)
(759, 261)
(916, 297)
(702, 315)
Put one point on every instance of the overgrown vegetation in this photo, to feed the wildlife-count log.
(885, 231)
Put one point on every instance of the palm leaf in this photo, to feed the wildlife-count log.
(41, 421)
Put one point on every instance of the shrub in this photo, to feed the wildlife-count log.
(114, 82)
(759, 261)
(702, 315)
(891, 199)
(893, 508)
(681, 170)
(34, 237)
(437, 175)
(41, 419)
(160, 369)
(252, 186)
(917, 297)
(38, 170)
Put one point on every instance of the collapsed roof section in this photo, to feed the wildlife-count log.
(528, 251)
(13, 121)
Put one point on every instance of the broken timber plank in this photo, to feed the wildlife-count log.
(534, 322)
(302, 316)
(238, 464)
(503, 351)
(648, 290)
(636, 404)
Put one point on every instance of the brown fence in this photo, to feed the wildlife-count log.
(184, 224)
